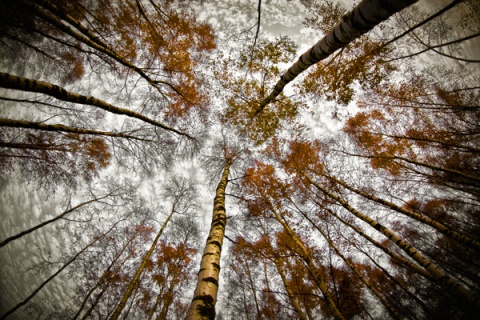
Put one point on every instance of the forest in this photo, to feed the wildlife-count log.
(207, 159)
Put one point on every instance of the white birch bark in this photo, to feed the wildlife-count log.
(205, 295)
(363, 18)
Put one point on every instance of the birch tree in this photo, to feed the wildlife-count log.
(205, 295)
(364, 17)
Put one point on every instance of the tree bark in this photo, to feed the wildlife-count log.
(44, 283)
(462, 238)
(391, 309)
(364, 17)
(38, 226)
(293, 300)
(312, 268)
(104, 275)
(394, 256)
(62, 128)
(133, 282)
(30, 85)
(439, 275)
(205, 295)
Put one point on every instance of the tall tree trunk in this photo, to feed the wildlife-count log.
(57, 18)
(312, 268)
(62, 128)
(364, 17)
(30, 85)
(462, 238)
(395, 257)
(167, 300)
(38, 226)
(104, 288)
(104, 276)
(391, 309)
(293, 299)
(205, 295)
(252, 286)
(396, 281)
(439, 275)
(133, 282)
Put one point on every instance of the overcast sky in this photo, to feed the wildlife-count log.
(22, 206)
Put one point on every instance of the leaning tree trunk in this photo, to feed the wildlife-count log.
(133, 282)
(10, 81)
(43, 224)
(44, 283)
(291, 296)
(363, 18)
(205, 295)
(311, 266)
(449, 232)
(440, 276)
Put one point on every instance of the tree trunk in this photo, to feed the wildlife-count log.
(312, 268)
(30, 85)
(38, 226)
(205, 295)
(391, 309)
(104, 289)
(133, 282)
(57, 17)
(395, 257)
(291, 296)
(62, 128)
(44, 283)
(462, 238)
(439, 275)
(104, 276)
(364, 17)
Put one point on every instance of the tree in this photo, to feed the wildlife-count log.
(205, 295)
(362, 19)
(80, 34)
(181, 196)
(371, 212)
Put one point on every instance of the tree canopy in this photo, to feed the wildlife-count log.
(310, 159)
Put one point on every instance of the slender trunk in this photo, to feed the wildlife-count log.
(38, 226)
(133, 282)
(469, 241)
(398, 283)
(291, 296)
(395, 257)
(104, 275)
(475, 180)
(252, 286)
(134, 296)
(167, 301)
(391, 309)
(44, 283)
(439, 275)
(364, 17)
(157, 301)
(62, 128)
(205, 295)
(30, 85)
(433, 141)
(104, 289)
(312, 268)
(86, 37)
(35, 146)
